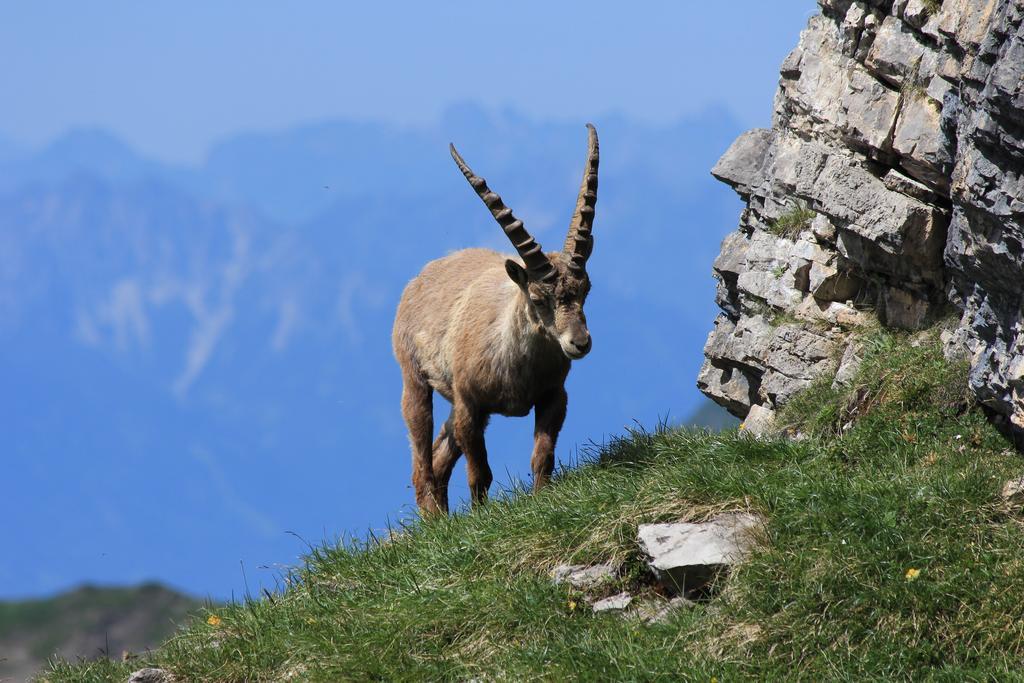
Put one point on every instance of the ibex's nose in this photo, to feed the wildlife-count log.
(582, 346)
(575, 347)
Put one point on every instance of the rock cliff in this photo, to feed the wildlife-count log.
(888, 188)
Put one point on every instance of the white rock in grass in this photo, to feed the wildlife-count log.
(760, 421)
(616, 602)
(584, 576)
(852, 359)
(1013, 491)
(150, 676)
(686, 558)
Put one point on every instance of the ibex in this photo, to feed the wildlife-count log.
(493, 335)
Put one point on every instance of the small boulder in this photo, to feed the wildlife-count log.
(853, 356)
(150, 675)
(616, 602)
(760, 421)
(1013, 491)
(584, 576)
(686, 558)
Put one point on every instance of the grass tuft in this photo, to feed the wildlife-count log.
(913, 90)
(793, 222)
(888, 554)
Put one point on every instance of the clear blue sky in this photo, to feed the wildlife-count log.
(172, 77)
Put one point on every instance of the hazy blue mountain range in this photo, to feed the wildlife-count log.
(196, 361)
(87, 622)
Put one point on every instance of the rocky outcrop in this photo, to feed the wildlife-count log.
(889, 188)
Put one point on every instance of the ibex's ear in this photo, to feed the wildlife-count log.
(517, 273)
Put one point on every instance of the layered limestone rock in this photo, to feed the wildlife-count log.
(889, 188)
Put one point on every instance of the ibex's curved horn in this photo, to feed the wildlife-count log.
(537, 264)
(579, 242)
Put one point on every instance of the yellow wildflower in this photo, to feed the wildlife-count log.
(912, 574)
(572, 605)
(213, 620)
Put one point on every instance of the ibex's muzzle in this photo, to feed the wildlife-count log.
(575, 346)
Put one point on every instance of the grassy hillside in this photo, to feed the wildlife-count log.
(87, 622)
(897, 473)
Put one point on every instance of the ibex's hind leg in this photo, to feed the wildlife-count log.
(446, 453)
(549, 414)
(469, 426)
(418, 411)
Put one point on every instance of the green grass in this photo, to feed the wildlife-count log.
(933, 6)
(897, 472)
(913, 90)
(784, 317)
(793, 222)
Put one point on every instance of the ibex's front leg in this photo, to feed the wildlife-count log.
(549, 414)
(469, 425)
(418, 411)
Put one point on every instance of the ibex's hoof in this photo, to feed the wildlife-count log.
(431, 506)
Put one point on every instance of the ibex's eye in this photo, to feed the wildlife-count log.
(541, 299)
